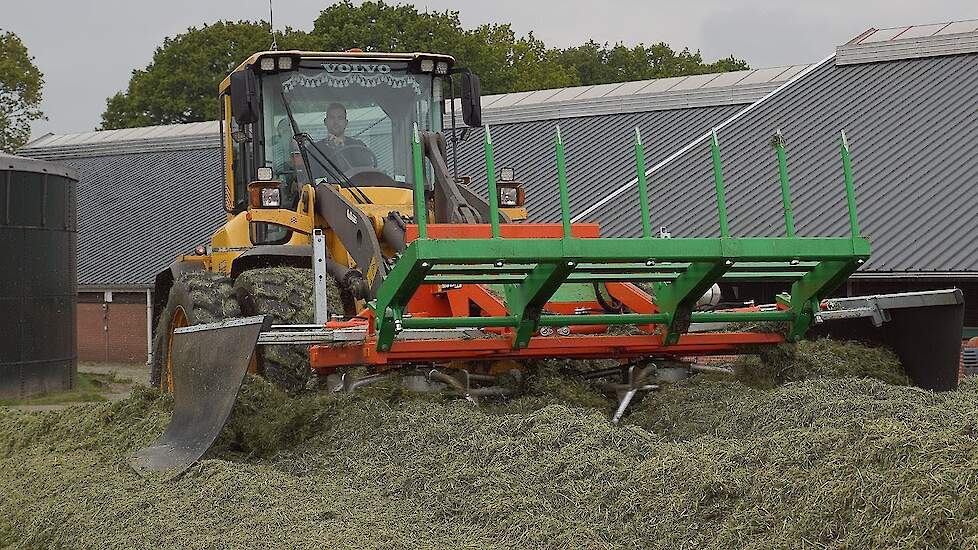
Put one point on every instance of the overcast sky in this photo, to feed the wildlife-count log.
(87, 48)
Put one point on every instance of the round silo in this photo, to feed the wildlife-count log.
(38, 232)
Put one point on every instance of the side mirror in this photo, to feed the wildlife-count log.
(471, 100)
(244, 97)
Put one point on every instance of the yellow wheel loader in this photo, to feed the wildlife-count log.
(351, 243)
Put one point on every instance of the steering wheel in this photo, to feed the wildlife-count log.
(349, 153)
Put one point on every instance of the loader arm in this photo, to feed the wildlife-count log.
(356, 232)
(454, 202)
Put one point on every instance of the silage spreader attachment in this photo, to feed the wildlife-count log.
(471, 298)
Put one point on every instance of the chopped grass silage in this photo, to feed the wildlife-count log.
(838, 462)
(819, 359)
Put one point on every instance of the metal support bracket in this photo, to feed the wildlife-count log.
(529, 297)
(320, 274)
(678, 298)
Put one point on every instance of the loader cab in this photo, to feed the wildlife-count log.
(282, 119)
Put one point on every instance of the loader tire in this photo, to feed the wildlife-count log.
(195, 298)
(285, 294)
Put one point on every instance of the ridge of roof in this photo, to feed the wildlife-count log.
(681, 92)
(910, 42)
(659, 94)
(172, 137)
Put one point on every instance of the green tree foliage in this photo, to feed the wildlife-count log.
(504, 61)
(20, 92)
(602, 64)
(180, 84)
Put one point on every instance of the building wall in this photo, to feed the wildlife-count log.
(112, 332)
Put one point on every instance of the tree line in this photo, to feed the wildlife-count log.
(180, 84)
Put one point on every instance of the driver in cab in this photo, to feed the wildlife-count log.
(344, 150)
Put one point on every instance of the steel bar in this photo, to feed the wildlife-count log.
(626, 267)
(789, 220)
(718, 180)
(420, 205)
(562, 184)
(599, 319)
(491, 184)
(643, 187)
(609, 277)
(850, 187)
(319, 272)
(629, 250)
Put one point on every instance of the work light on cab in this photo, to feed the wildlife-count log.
(264, 194)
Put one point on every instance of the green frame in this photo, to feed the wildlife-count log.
(681, 269)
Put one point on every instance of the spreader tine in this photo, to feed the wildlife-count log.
(209, 364)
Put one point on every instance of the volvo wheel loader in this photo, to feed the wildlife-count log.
(338, 177)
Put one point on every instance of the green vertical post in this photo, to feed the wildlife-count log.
(850, 189)
(718, 179)
(789, 219)
(643, 186)
(420, 206)
(562, 184)
(491, 181)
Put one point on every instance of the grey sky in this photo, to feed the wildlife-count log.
(87, 48)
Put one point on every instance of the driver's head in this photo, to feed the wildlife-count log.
(284, 128)
(336, 119)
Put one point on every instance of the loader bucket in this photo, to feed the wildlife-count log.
(923, 328)
(209, 364)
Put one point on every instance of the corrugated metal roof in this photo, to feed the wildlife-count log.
(903, 119)
(175, 137)
(137, 212)
(661, 94)
(910, 42)
(909, 125)
(598, 152)
(684, 92)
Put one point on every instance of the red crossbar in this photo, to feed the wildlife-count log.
(327, 358)
(506, 231)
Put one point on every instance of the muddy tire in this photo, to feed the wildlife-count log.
(194, 298)
(285, 294)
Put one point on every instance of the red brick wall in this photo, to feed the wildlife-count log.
(112, 332)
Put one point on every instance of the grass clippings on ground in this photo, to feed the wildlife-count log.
(827, 462)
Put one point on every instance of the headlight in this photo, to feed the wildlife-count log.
(271, 197)
(267, 64)
(509, 196)
(264, 173)
(285, 63)
(427, 65)
(442, 67)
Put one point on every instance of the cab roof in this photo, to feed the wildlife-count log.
(339, 56)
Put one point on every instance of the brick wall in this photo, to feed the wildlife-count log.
(112, 332)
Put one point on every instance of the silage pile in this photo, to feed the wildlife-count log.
(836, 462)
